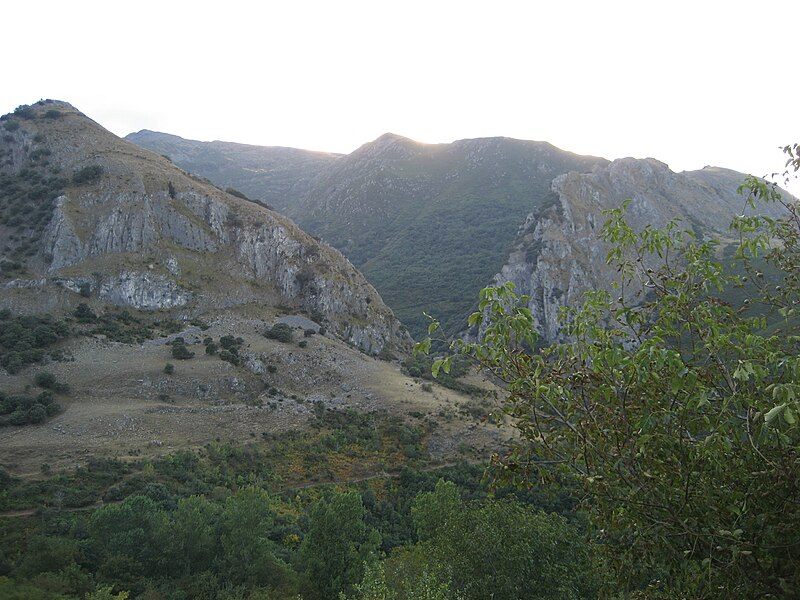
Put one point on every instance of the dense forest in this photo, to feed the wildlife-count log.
(224, 523)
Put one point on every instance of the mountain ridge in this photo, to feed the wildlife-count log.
(403, 212)
(143, 233)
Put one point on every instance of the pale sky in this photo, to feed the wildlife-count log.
(690, 83)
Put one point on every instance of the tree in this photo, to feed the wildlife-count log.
(194, 534)
(501, 549)
(431, 510)
(248, 554)
(376, 586)
(338, 544)
(678, 415)
(131, 536)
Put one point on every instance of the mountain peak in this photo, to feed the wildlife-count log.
(389, 145)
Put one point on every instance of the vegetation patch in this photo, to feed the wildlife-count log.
(22, 409)
(26, 340)
(87, 175)
(281, 332)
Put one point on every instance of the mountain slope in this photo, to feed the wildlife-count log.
(429, 225)
(557, 255)
(87, 212)
(273, 175)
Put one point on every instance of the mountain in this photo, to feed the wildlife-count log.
(557, 255)
(429, 225)
(86, 214)
(273, 175)
(164, 313)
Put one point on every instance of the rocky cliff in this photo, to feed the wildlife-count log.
(88, 215)
(428, 224)
(557, 256)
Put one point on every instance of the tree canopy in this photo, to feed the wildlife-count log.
(677, 412)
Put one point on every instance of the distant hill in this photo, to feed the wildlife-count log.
(272, 175)
(429, 225)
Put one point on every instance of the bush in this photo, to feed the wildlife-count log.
(53, 114)
(24, 410)
(45, 380)
(227, 341)
(181, 352)
(90, 174)
(24, 112)
(236, 193)
(229, 357)
(169, 368)
(281, 332)
(84, 314)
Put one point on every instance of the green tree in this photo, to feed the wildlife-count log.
(503, 550)
(338, 544)
(677, 414)
(376, 586)
(194, 534)
(132, 536)
(107, 593)
(432, 510)
(248, 554)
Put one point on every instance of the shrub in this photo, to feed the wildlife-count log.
(181, 352)
(45, 380)
(229, 357)
(84, 314)
(303, 343)
(53, 114)
(24, 112)
(169, 368)
(89, 174)
(236, 193)
(227, 341)
(281, 332)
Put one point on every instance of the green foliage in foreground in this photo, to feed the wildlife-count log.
(490, 548)
(679, 414)
(234, 522)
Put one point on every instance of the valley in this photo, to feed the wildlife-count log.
(209, 387)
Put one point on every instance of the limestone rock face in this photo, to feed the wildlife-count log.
(428, 224)
(147, 235)
(557, 256)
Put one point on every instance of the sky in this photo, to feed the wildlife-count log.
(690, 83)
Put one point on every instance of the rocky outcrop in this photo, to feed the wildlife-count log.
(557, 256)
(145, 234)
(428, 224)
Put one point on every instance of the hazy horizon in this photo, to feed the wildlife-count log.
(690, 84)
